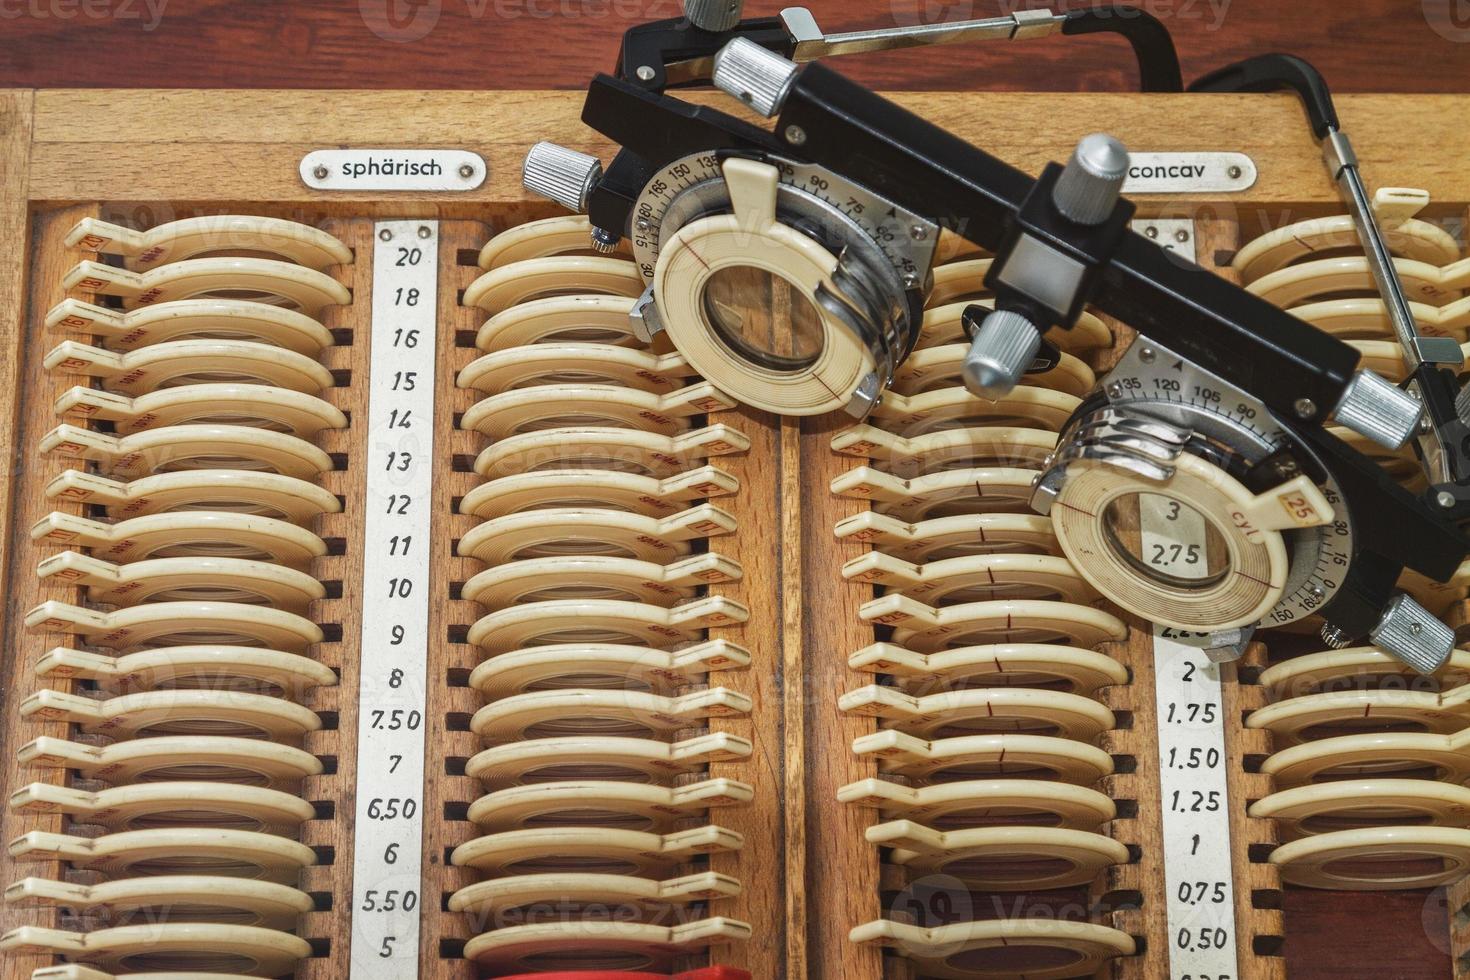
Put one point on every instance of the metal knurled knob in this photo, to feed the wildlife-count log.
(1377, 408)
(1414, 635)
(755, 76)
(565, 176)
(713, 15)
(1002, 350)
(1088, 187)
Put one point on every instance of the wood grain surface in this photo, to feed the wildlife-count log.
(1361, 46)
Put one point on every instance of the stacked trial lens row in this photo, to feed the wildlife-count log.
(602, 689)
(189, 481)
(1370, 760)
(986, 669)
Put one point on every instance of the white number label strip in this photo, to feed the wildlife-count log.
(387, 873)
(1196, 817)
(1189, 173)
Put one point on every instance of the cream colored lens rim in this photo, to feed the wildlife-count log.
(515, 283)
(927, 629)
(537, 533)
(752, 237)
(177, 623)
(1366, 803)
(560, 666)
(239, 760)
(188, 447)
(604, 621)
(1405, 237)
(591, 711)
(184, 579)
(922, 850)
(535, 947)
(600, 802)
(947, 448)
(229, 713)
(1431, 284)
(490, 900)
(1371, 756)
(508, 853)
(974, 490)
(941, 537)
(574, 363)
(935, 949)
(187, 533)
(544, 759)
(992, 665)
(628, 450)
(985, 802)
(998, 573)
(191, 667)
(192, 946)
(287, 498)
(1314, 672)
(597, 576)
(522, 410)
(265, 281)
(196, 803)
(538, 239)
(957, 407)
(1307, 861)
(1250, 526)
(987, 709)
(569, 488)
(190, 319)
(244, 405)
(1293, 721)
(169, 364)
(172, 897)
(999, 755)
(559, 319)
(252, 855)
(172, 241)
